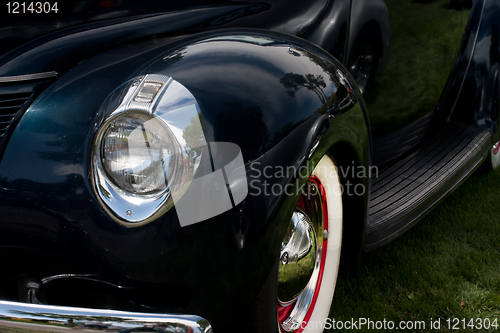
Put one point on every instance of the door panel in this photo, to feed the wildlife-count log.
(425, 37)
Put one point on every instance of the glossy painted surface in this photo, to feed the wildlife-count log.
(292, 17)
(368, 49)
(63, 49)
(284, 90)
(479, 97)
(331, 30)
(33, 42)
(402, 99)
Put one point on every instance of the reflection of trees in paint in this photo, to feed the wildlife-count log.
(337, 100)
(328, 68)
(294, 82)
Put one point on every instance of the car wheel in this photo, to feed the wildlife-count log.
(298, 292)
(310, 253)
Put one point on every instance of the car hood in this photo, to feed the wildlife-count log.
(35, 43)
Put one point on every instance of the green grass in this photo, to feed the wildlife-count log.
(447, 266)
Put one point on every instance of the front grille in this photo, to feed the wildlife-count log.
(10, 106)
(15, 98)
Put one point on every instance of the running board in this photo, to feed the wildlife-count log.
(405, 191)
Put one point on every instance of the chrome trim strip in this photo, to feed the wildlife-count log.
(28, 77)
(39, 317)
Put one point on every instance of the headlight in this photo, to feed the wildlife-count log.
(139, 153)
(150, 153)
(146, 148)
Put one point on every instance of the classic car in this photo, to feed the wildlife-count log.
(204, 166)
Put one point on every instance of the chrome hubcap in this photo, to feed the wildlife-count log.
(298, 255)
(301, 259)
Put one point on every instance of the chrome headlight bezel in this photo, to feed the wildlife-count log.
(163, 100)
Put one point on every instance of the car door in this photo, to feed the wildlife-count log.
(402, 89)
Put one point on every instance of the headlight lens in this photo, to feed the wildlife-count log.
(139, 153)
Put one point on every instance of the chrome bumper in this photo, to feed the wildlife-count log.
(39, 317)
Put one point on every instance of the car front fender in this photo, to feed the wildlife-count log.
(283, 101)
